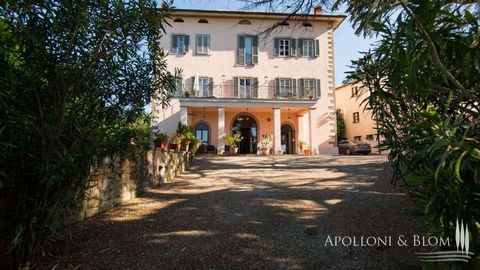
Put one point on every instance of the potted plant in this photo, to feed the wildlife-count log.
(301, 145)
(186, 94)
(195, 144)
(265, 142)
(233, 141)
(176, 140)
(309, 93)
(161, 141)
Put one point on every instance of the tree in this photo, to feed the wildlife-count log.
(423, 79)
(75, 76)
(340, 125)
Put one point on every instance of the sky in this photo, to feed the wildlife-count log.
(347, 45)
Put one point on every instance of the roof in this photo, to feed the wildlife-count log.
(347, 84)
(336, 20)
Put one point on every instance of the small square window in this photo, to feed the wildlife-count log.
(357, 138)
(370, 137)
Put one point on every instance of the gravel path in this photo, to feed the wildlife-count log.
(252, 213)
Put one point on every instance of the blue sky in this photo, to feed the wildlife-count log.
(347, 45)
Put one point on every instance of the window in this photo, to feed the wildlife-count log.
(179, 86)
(203, 21)
(308, 48)
(369, 137)
(178, 20)
(356, 117)
(354, 91)
(245, 87)
(203, 86)
(203, 44)
(285, 87)
(247, 52)
(179, 43)
(202, 133)
(245, 22)
(284, 47)
(357, 138)
(310, 88)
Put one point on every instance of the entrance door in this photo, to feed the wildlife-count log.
(288, 139)
(247, 127)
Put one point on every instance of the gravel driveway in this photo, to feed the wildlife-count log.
(252, 212)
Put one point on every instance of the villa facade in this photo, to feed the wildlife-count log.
(238, 79)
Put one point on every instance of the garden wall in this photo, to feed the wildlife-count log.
(118, 179)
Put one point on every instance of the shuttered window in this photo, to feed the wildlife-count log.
(247, 50)
(180, 43)
(203, 44)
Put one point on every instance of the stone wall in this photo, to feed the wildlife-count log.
(118, 180)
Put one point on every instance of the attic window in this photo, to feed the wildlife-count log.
(178, 20)
(307, 24)
(284, 24)
(202, 21)
(244, 22)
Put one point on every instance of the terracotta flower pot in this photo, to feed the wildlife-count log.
(264, 151)
(306, 152)
(178, 146)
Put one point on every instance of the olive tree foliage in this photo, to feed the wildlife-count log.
(423, 83)
(74, 76)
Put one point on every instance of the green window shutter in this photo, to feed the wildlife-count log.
(293, 47)
(277, 87)
(174, 48)
(235, 86)
(294, 88)
(317, 47)
(192, 82)
(275, 46)
(241, 50)
(301, 87)
(318, 90)
(210, 87)
(300, 47)
(255, 87)
(255, 50)
(187, 42)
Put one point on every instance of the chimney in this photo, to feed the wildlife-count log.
(317, 10)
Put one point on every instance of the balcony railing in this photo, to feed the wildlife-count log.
(260, 92)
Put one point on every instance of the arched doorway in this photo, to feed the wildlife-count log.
(287, 139)
(246, 125)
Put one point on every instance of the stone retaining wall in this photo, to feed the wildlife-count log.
(118, 180)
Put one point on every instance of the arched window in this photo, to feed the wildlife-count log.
(202, 132)
(202, 21)
(178, 20)
(247, 22)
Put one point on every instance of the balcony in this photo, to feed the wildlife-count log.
(246, 92)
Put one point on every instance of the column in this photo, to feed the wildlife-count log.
(311, 129)
(184, 115)
(301, 133)
(221, 130)
(276, 130)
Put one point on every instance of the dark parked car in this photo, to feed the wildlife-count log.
(348, 147)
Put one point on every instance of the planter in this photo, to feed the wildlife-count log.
(306, 152)
(280, 152)
(301, 149)
(233, 150)
(264, 151)
(178, 146)
(185, 146)
(164, 146)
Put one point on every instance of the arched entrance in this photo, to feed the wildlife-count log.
(287, 139)
(246, 125)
